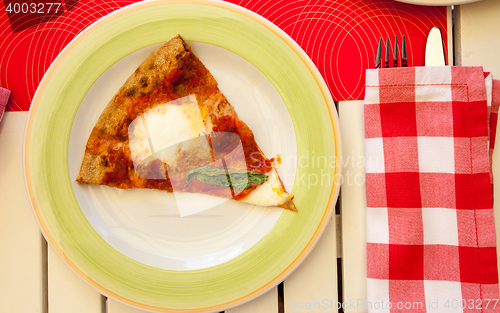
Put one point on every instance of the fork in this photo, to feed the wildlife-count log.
(387, 63)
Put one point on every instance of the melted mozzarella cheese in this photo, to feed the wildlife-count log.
(270, 193)
(140, 149)
(170, 132)
(174, 122)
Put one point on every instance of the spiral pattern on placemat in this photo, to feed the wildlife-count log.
(340, 37)
(26, 55)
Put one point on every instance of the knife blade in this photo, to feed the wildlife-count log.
(434, 49)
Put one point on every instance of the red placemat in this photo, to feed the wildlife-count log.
(340, 36)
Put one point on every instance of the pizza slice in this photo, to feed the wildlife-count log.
(170, 128)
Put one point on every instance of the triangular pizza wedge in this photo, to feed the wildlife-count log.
(170, 128)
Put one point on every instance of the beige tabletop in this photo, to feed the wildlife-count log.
(34, 279)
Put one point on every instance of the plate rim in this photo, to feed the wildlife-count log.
(328, 101)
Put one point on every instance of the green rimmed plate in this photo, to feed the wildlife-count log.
(61, 108)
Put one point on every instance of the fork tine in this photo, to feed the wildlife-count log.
(404, 59)
(379, 54)
(386, 65)
(395, 58)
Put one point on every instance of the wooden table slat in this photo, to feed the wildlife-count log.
(314, 282)
(353, 206)
(22, 245)
(67, 292)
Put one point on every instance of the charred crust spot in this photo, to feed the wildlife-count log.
(104, 160)
(130, 91)
(152, 65)
(178, 56)
(143, 81)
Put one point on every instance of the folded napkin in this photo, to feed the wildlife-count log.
(4, 98)
(429, 134)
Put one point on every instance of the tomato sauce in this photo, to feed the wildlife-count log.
(194, 78)
(160, 184)
(242, 194)
(254, 158)
(119, 176)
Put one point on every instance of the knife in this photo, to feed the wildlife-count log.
(434, 50)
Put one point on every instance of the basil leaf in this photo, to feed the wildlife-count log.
(238, 179)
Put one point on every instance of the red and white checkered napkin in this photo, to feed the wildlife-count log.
(430, 226)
